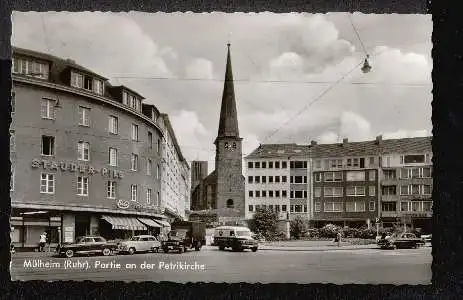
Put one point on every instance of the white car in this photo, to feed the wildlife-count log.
(139, 243)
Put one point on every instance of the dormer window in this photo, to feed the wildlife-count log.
(87, 82)
(131, 100)
(154, 116)
(30, 67)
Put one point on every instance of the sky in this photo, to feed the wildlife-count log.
(297, 76)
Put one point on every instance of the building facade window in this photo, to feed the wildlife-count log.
(284, 193)
(250, 208)
(48, 145)
(47, 109)
(332, 192)
(333, 176)
(113, 125)
(372, 191)
(158, 171)
(134, 132)
(134, 162)
(113, 157)
(77, 80)
(389, 190)
(148, 167)
(333, 207)
(84, 116)
(355, 191)
(158, 199)
(389, 206)
(250, 179)
(317, 177)
(250, 165)
(372, 206)
(355, 206)
(389, 174)
(133, 192)
(158, 147)
(83, 150)
(270, 164)
(29, 67)
(277, 165)
(318, 206)
(150, 139)
(111, 189)
(317, 192)
(47, 183)
(148, 196)
(98, 86)
(251, 194)
(82, 186)
(372, 175)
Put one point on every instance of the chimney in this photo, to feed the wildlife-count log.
(379, 139)
(71, 61)
(313, 143)
(345, 141)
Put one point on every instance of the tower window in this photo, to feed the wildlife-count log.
(230, 203)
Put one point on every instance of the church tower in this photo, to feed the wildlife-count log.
(228, 153)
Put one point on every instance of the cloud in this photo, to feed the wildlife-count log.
(200, 68)
(328, 137)
(111, 44)
(400, 134)
(355, 127)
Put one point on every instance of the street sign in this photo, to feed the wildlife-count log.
(377, 220)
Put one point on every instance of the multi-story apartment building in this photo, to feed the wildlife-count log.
(175, 174)
(345, 183)
(349, 183)
(406, 182)
(277, 178)
(85, 154)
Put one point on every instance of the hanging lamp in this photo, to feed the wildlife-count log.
(366, 68)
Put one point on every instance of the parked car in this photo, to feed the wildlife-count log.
(139, 243)
(400, 241)
(87, 245)
(236, 237)
(185, 235)
(426, 238)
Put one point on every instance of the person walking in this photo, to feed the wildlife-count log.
(43, 240)
(338, 238)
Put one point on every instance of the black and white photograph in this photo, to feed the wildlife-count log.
(221, 147)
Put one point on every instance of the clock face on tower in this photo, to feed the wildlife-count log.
(230, 147)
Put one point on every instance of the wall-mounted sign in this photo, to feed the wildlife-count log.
(123, 204)
(74, 167)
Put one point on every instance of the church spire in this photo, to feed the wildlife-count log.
(228, 123)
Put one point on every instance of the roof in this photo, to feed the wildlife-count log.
(61, 63)
(279, 150)
(228, 121)
(364, 148)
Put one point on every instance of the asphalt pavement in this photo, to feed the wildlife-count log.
(339, 266)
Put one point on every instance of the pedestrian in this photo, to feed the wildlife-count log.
(338, 238)
(43, 240)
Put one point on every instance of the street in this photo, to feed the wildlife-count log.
(369, 266)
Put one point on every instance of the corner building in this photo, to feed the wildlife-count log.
(86, 155)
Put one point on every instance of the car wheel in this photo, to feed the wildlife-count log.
(69, 253)
(180, 250)
(131, 250)
(106, 251)
(254, 249)
(165, 249)
(221, 247)
(198, 246)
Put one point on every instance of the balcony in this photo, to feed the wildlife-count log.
(390, 198)
(416, 214)
(389, 181)
(389, 214)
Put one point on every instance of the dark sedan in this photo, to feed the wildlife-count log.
(87, 245)
(400, 241)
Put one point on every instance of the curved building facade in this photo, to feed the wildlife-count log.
(86, 155)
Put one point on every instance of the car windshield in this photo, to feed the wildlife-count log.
(243, 233)
(134, 238)
(99, 239)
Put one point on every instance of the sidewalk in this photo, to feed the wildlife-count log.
(312, 246)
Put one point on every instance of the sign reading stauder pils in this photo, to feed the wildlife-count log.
(74, 167)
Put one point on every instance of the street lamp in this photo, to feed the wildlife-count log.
(366, 68)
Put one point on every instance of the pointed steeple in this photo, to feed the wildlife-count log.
(228, 123)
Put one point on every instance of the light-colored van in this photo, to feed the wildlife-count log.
(237, 238)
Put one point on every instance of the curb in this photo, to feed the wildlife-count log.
(319, 250)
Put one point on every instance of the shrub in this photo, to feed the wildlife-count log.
(265, 222)
(298, 227)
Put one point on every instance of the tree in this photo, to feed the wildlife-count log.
(264, 222)
(297, 227)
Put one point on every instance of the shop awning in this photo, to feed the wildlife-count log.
(124, 223)
(163, 223)
(149, 222)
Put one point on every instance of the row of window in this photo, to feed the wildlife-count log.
(48, 112)
(331, 192)
(352, 206)
(276, 165)
(276, 179)
(408, 206)
(338, 176)
(87, 82)
(358, 162)
(411, 189)
(278, 208)
(30, 67)
(47, 186)
(276, 194)
(409, 173)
